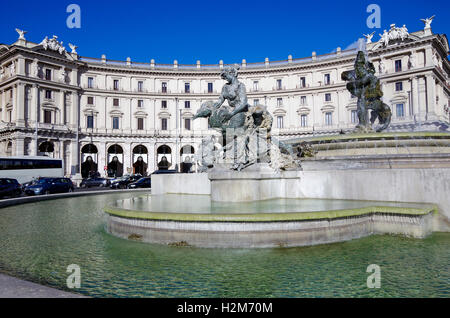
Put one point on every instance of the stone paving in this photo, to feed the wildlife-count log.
(11, 287)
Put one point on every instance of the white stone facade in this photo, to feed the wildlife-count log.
(50, 95)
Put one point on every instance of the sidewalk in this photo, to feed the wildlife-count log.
(11, 287)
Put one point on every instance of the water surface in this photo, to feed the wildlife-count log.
(39, 240)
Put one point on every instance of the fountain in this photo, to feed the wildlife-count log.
(254, 192)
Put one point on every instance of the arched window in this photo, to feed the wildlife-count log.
(47, 146)
(164, 150)
(90, 148)
(140, 150)
(115, 149)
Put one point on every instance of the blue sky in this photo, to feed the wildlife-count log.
(212, 30)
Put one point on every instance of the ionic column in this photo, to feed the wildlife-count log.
(19, 146)
(4, 115)
(431, 97)
(62, 112)
(20, 105)
(74, 116)
(417, 109)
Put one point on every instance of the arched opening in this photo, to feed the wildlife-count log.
(89, 166)
(164, 157)
(47, 148)
(187, 158)
(9, 149)
(140, 160)
(115, 161)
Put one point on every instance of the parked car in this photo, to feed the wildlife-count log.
(9, 188)
(49, 186)
(123, 182)
(145, 182)
(95, 182)
(165, 171)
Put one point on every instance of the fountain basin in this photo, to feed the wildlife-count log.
(195, 220)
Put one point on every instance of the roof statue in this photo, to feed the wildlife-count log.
(53, 44)
(21, 34)
(427, 22)
(369, 37)
(73, 48)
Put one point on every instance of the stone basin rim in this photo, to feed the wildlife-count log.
(270, 217)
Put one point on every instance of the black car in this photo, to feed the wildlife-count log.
(49, 186)
(145, 182)
(95, 182)
(123, 182)
(165, 171)
(9, 188)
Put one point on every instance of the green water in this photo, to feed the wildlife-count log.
(38, 241)
(185, 203)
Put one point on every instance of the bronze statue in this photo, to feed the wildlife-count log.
(363, 84)
(250, 127)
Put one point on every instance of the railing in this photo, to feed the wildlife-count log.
(216, 67)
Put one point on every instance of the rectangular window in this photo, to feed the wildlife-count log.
(398, 86)
(115, 102)
(47, 116)
(115, 122)
(210, 87)
(400, 110)
(354, 116)
(90, 82)
(48, 94)
(90, 100)
(140, 103)
(328, 119)
(279, 102)
(187, 104)
(90, 121)
(140, 123)
(187, 124)
(304, 120)
(328, 97)
(255, 86)
(279, 84)
(164, 87)
(163, 123)
(187, 87)
(140, 86)
(116, 85)
(255, 102)
(302, 82)
(164, 104)
(280, 123)
(48, 74)
(327, 79)
(398, 65)
(303, 100)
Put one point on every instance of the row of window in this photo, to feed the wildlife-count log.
(140, 86)
(400, 113)
(140, 123)
(187, 86)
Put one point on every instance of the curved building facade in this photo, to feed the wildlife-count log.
(122, 113)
